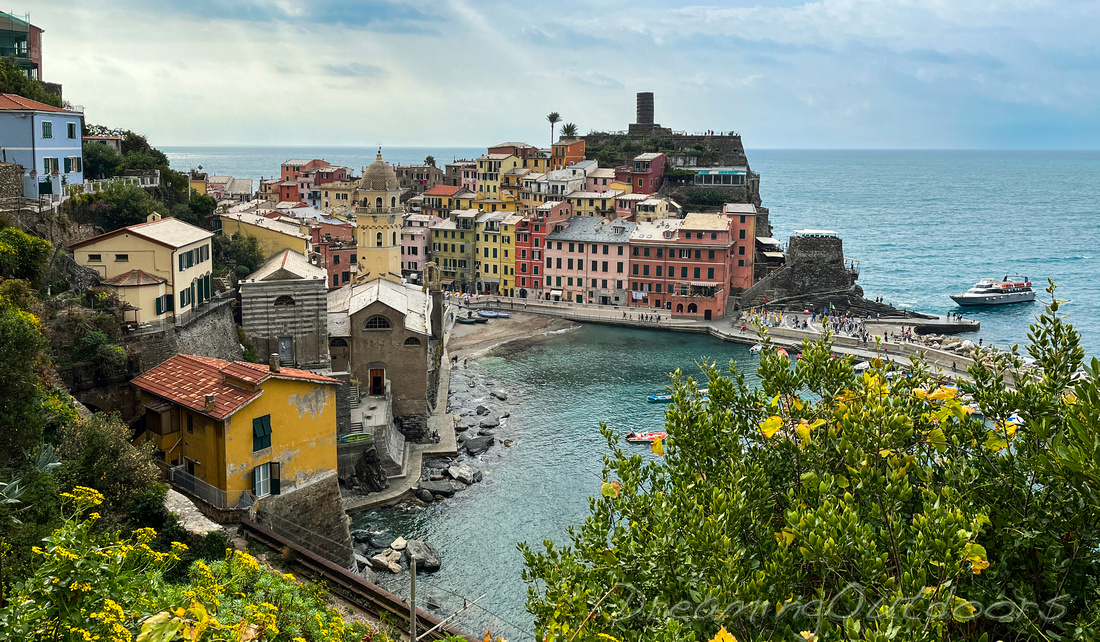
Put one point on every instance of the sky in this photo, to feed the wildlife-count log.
(971, 74)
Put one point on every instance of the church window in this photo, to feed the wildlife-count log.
(412, 341)
(284, 300)
(377, 322)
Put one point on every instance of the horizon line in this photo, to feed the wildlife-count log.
(834, 149)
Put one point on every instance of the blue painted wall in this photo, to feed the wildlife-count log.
(23, 141)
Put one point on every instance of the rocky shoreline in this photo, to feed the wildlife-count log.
(485, 427)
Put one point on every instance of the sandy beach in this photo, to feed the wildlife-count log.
(476, 339)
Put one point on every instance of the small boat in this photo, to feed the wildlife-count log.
(488, 314)
(467, 320)
(1016, 289)
(480, 320)
(503, 315)
(644, 437)
(783, 353)
(756, 349)
(668, 398)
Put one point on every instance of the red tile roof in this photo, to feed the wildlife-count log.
(186, 380)
(13, 101)
(443, 190)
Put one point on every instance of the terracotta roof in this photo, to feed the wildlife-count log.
(133, 278)
(443, 190)
(12, 101)
(186, 379)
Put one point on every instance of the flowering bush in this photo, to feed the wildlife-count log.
(91, 585)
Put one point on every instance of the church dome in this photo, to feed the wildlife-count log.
(379, 177)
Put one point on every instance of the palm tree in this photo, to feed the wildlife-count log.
(569, 130)
(554, 118)
(430, 161)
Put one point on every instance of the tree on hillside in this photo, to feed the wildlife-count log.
(21, 346)
(429, 160)
(241, 253)
(14, 80)
(197, 210)
(553, 118)
(118, 205)
(23, 256)
(569, 130)
(826, 504)
(101, 161)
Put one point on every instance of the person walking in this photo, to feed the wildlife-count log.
(953, 368)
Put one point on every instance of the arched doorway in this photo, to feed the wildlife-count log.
(679, 308)
(692, 308)
(378, 202)
(522, 295)
(339, 354)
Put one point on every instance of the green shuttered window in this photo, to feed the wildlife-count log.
(261, 433)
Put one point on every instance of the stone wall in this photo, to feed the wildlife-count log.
(312, 516)
(305, 321)
(65, 268)
(212, 334)
(406, 366)
(11, 181)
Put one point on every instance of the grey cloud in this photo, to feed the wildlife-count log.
(353, 70)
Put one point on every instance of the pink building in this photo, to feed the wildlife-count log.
(626, 205)
(588, 260)
(599, 180)
(416, 244)
(742, 266)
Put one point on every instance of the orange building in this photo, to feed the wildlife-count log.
(566, 152)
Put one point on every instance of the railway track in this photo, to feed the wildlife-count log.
(373, 599)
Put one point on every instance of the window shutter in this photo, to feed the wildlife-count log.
(171, 303)
(275, 480)
(68, 164)
(181, 264)
(255, 479)
(160, 305)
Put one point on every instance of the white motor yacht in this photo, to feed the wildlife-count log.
(1015, 289)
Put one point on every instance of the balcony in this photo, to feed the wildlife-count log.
(197, 488)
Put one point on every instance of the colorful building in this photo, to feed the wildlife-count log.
(453, 249)
(489, 169)
(416, 244)
(683, 265)
(234, 432)
(743, 253)
(339, 194)
(417, 179)
(530, 244)
(489, 249)
(593, 204)
(588, 260)
(566, 152)
(273, 234)
(655, 207)
(644, 174)
(161, 268)
(442, 199)
(46, 140)
(601, 179)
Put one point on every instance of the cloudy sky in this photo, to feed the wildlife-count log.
(784, 73)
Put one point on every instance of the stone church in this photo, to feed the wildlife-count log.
(283, 310)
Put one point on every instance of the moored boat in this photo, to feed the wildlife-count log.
(645, 437)
(489, 314)
(1015, 289)
(467, 320)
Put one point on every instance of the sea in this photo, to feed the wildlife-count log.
(921, 224)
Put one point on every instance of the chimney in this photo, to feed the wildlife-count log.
(208, 406)
(273, 363)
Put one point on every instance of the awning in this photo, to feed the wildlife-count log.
(701, 284)
(638, 295)
(556, 293)
(767, 240)
(773, 255)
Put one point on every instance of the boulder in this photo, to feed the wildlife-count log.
(485, 432)
(398, 544)
(425, 496)
(438, 488)
(426, 557)
(360, 536)
(499, 394)
(482, 410)
(505, 415)
(478, 476)
(436, 477)
(457, 485)
(383, 562)
(507, 443)
(478, 445)
(489, 422)
(462, 473)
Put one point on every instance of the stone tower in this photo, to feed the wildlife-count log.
(435, 291)
(378, 219)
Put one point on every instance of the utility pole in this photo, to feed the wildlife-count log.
(412, 599)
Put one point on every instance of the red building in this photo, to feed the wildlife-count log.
(530, 243)
(566, 151)
(337, 254)
(742, 264)
(683, 266)
(645, 173)
(520, 150)
(294, 179)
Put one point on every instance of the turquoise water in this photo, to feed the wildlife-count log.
(565, 385)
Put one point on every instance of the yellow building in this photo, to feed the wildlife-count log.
(453, 248)
(378, 218)
(492, 205)
(508, 249)
(230, 429)
(273, 234)
(338, 194)
(489, 254)
(490, 168)
(161, 268)
(597, 204)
